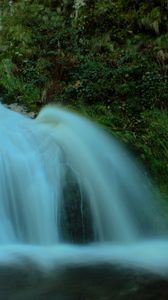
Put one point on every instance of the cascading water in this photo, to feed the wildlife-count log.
(35, 155)
(36, 159)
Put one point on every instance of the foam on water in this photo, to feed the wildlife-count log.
(149, 256)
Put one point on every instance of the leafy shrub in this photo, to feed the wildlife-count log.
(14, 88)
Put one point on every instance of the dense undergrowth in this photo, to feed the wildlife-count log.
(106, 59)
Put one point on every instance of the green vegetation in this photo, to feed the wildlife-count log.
(107, 59)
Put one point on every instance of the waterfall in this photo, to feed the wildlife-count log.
(36, 159)
(35, 155)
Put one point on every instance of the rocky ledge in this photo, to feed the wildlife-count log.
(21, 109)
(96, 282)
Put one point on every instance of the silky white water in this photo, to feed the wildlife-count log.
(36, 156)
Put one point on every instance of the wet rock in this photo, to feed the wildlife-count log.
(103, 282)
(20, 109)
